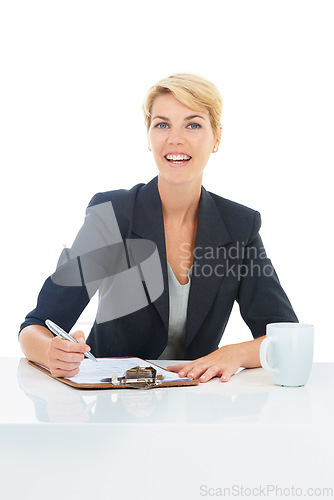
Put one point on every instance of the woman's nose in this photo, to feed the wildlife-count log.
(176, 137)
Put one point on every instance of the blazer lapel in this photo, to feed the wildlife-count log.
(211, 234)
(148, 223)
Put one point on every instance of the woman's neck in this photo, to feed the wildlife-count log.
(180, 202)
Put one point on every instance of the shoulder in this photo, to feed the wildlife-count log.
(117, 205)
(232, 207)
(237, 217)
(115, 196)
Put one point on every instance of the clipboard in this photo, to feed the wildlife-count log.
(143, 375)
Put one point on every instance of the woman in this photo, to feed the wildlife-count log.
(210, 251)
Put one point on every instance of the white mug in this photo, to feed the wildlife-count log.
(287, 353)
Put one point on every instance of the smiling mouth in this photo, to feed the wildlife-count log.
(178, 159)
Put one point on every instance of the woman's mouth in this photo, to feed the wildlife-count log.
(177, 159)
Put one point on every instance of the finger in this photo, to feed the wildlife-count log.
(182, 369)
(176, 368)
(69, 346)
(66, 365)
(67, 357)
(226, 375)
(79, 336)
(210, 373)
(58, 372)
(193, 370)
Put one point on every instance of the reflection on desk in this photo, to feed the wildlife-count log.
(249, 397)
(166, 443)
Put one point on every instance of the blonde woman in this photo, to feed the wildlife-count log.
(209, 248)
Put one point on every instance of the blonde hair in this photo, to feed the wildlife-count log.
(192, 90)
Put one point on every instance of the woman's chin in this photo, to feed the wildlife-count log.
(175, 176)
(179, 178)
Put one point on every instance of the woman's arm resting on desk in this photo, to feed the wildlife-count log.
(62, 357)
(223, 362)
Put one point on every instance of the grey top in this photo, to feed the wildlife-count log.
(178, 305)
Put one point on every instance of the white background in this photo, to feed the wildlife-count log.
(73, 78)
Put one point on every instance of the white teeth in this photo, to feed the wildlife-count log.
(177, 157)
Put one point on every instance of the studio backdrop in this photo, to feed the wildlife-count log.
(73, 78)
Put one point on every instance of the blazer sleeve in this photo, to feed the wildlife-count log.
(61, 303)
(261, 297)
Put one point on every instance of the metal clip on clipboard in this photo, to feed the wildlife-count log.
(138, 377)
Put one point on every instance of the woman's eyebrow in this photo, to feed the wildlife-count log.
(191, 117)
(161, 118)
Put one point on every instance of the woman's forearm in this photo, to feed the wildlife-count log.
(250, 353)
(35, 342)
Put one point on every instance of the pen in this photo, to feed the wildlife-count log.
(64, 335)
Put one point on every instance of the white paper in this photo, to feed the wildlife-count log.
(92, 372)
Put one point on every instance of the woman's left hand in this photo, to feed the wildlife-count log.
(223, 363)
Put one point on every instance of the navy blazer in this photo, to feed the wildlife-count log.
(229, 265)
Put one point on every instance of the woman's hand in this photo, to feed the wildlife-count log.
(64, 356)
(223, 362)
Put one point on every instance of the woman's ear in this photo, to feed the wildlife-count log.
(220, 135)
(217, 142)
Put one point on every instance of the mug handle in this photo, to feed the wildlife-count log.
(263, 355)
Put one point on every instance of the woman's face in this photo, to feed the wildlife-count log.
(180, 139)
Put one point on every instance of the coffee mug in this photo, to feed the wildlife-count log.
(287, 353)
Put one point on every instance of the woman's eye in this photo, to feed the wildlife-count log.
(194, 126)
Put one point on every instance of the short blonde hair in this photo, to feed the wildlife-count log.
(192, 90)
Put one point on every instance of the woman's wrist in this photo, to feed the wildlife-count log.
(249, 353)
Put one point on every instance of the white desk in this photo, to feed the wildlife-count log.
(174, 443)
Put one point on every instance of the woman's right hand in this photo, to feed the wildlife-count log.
(65, 357)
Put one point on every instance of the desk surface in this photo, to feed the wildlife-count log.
(249, 398)
(182, 443)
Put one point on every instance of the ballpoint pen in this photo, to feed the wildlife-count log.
(64, 335)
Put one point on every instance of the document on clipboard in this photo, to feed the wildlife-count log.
(121, 373)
